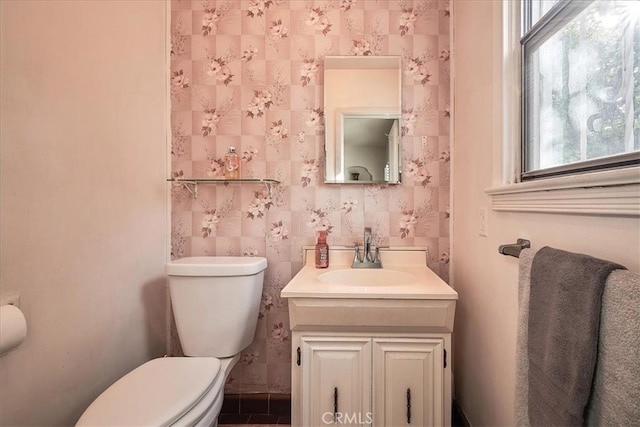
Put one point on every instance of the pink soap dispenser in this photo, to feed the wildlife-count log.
(322, 250)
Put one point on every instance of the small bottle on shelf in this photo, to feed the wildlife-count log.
(232, 164)
(322, 250)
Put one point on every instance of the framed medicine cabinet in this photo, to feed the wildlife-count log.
(363, 108)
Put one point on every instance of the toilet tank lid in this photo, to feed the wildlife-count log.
(216, 266)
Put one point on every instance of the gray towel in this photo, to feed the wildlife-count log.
(564, 315)
(615, 397)
(521, 404)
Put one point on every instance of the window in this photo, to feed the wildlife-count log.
(581, 86)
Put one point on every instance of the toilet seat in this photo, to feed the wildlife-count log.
(161, 392)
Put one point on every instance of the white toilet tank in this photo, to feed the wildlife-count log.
(215, 302)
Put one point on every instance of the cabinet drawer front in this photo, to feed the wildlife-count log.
(408, 383)
(336, 380)
(399, 314)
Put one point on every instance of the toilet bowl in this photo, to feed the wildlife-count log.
(161, 392)
(215, 302)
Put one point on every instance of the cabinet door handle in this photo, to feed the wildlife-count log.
(408, 406)
(298, 356)
(335, 403)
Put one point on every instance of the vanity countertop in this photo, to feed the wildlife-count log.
(407, 269)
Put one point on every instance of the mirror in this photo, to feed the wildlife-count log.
(362, 106)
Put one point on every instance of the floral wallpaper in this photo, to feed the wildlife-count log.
(249, 74)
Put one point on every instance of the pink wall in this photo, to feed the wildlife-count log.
(84, 233)
(487, 282)
(249, 73)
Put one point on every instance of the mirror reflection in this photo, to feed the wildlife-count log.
(362, 100)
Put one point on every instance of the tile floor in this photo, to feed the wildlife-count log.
(256, 409)
(228, 420)
(257, 402)
(253, 425)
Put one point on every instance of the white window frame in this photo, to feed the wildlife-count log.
(611, 192)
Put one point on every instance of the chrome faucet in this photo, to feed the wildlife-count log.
(367, 244)
(365, 261)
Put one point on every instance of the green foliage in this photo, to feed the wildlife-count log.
(593, 48)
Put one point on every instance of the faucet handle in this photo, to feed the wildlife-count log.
(376, 257)
(356, 257)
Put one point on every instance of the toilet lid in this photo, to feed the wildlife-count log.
(216, 266)
(155, 394)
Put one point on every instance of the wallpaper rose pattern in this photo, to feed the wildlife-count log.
(249, 74)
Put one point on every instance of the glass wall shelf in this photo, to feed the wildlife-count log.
(191, 184)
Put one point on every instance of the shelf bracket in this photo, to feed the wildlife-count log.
(269, 186)
(190, 186)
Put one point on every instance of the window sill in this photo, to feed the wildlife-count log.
(614, 192)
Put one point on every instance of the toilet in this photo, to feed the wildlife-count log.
(215, 303)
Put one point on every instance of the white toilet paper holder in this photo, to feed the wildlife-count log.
(13, 327)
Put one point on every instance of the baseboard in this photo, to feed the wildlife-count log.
(256, 408)
(276, 408)
(458, 418)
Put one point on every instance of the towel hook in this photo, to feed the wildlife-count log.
(514, 249)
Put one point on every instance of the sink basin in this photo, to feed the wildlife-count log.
(405, 293)
(367, 277)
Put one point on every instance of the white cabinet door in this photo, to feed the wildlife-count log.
(408, 385)
(336, 381)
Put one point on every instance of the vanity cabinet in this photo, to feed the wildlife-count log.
(367, 352)
(335, 378)
(369, 379)
(408, 384)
